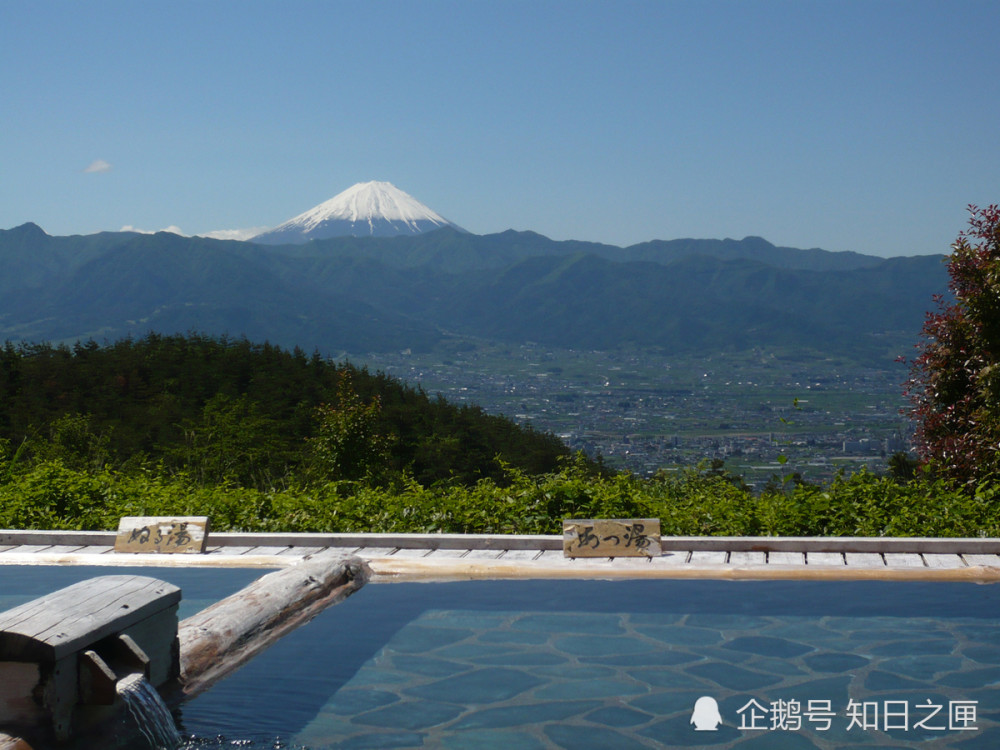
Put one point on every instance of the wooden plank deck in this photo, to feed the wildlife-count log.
(422, 556)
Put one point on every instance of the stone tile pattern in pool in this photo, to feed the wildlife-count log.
(482, 680)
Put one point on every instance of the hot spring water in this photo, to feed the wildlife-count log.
(150, 713)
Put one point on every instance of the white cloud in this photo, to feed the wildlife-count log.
(218, 234)
(172, 229)
(234, 234)
(98, 165)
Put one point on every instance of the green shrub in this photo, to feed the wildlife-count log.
(52, 495)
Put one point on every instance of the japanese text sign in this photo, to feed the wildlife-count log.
(611, 537)
(162, 534)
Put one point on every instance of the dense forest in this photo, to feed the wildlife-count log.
(263, 439)
(230, 411)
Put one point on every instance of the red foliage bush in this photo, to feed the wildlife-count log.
(954, 383)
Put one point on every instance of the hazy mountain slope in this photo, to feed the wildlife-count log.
(751, 248)
(696, 303)
(30, 258)
(377, 294)
(454, 251)
(170, 284)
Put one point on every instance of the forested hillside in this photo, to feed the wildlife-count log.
(260, 438)
(230, 411)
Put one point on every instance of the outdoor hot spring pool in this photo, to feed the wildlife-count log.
(616, 665)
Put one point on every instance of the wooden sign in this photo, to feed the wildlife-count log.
(162, 534)
(639, 537)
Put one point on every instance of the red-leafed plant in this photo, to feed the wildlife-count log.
(954, 383)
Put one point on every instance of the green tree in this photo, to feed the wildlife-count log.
(74, 440)
(348, 443)
(232, 442)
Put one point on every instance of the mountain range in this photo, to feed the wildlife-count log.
(364, 294)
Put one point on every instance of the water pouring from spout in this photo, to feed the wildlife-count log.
(149, 711)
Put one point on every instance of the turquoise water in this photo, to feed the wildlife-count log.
(592, 664)
(199, 586)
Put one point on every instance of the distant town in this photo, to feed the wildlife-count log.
(767, 415)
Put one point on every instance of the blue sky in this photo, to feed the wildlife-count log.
(865, 126)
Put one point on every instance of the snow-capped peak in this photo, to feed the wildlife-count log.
(367, 201)
(367, 208)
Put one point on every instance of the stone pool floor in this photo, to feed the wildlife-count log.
(479, 680)
(472, 679)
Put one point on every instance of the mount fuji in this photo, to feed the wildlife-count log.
(367, 209)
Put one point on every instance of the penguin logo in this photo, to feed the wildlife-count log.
(706, 717)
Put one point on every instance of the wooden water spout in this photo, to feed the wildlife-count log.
(62, 655)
